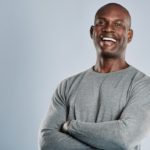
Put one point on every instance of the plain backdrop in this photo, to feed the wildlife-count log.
(41, 43)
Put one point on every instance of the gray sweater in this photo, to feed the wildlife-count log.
(109, 111)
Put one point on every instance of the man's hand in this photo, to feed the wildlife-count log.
(65, 126)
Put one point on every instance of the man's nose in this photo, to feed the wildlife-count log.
(108, 28)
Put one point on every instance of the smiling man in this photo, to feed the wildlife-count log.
(107, 106)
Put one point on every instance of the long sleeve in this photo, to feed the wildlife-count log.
(123, 134)
(50, 136)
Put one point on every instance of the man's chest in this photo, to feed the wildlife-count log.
(98, 101)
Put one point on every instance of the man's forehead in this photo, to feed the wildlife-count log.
(113, 11)
(109, 19)
(111, 15)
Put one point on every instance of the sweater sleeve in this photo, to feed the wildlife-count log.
(125, 133)
(50, 136)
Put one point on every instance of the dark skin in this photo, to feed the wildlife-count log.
(111, 33)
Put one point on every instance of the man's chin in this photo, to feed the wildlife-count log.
(109, 55)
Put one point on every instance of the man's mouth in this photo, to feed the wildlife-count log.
(108, 41)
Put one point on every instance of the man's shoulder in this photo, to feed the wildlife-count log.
(72, 82)
(140, 78)
(76, 77)
(140, 74)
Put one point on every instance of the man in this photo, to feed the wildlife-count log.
(107, 106)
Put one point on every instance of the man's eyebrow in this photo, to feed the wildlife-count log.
(101, 18)
(98, 19)
(119, 20)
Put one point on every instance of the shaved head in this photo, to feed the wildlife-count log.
(110, 6)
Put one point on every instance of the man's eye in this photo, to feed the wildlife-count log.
(117, 24)
(100, 22)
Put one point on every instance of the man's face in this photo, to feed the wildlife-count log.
(111, 31)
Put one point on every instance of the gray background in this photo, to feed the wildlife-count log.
(43, 42)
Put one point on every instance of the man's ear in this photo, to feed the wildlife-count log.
(91, 31)
(130, 35)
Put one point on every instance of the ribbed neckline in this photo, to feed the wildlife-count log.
(91, 70)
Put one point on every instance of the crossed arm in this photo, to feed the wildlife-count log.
(51, 137)
(122, 134)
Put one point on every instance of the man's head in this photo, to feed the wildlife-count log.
(112, 30)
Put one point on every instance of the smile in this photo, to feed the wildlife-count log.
(109, 39)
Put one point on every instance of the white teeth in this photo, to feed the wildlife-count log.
(108, 39)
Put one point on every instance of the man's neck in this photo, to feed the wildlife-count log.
(110, 65)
